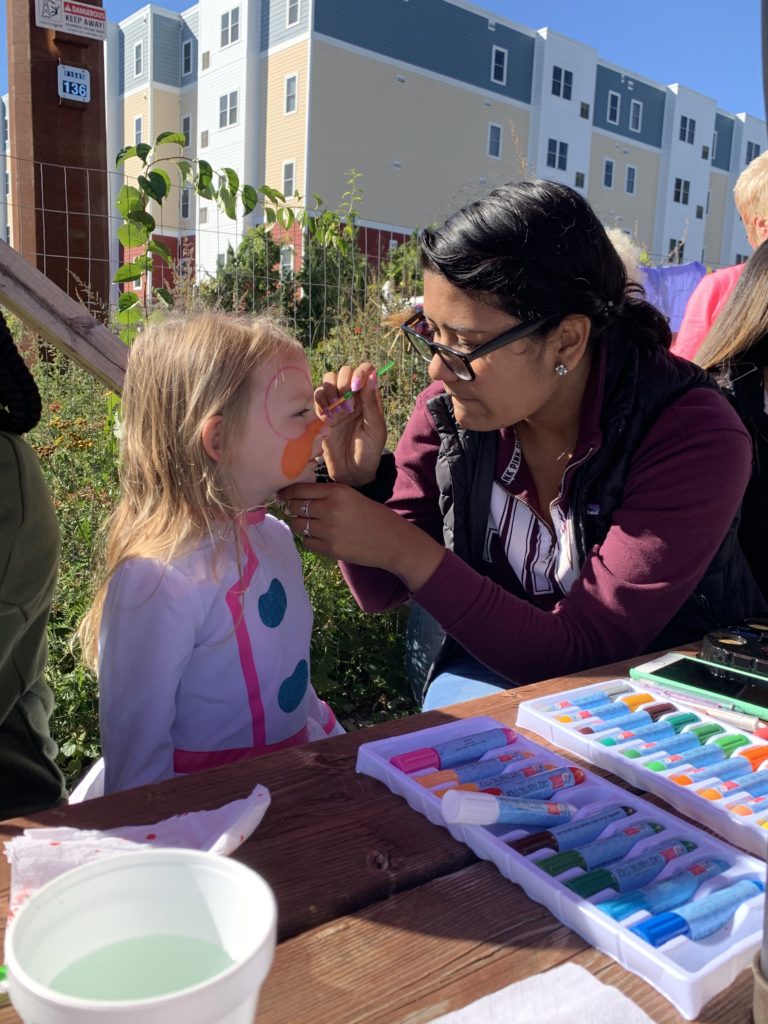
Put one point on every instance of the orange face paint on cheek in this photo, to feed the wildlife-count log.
(298, 452)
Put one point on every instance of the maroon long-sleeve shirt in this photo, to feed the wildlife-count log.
(684, 486)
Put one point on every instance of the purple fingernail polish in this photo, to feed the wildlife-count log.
(356, 384)
(373, 381)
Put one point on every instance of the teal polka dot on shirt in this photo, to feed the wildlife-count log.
(292, 689)
(272, 604)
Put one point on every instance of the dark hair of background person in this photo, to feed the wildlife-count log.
(536, 249)
(20, 404)
(742, 326)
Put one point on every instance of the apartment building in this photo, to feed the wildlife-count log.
(434, 102)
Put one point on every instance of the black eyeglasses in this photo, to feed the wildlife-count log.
(420, 334)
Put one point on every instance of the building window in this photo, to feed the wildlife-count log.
(630, 180)
(557, 154)
(614, 102)
(5, 132)
(741, 258)
(289, 178)
(682, 188)
(203, 218)
(204, 139)
(579, 180)
(228, 109)
(494, 140)
(230, 26)
(7, 183)
(584, 110)
(186, 57)
(186, 128)
(137, 128)
(293, 12)
(562, 82)
(687, 129)
(707, 206)
(676, 251)
(635, 115)
(705, 152)
(291, 94)
(138, 59)
(499, 65)
(714, 145)
(699, 213)
(753, 150)
(185, 204)
(8, 233)
(286, 261)
(205, 60)
(608, 173)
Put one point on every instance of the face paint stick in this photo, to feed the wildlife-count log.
(601, 851)
(540, 787)
(459, 807)
(482, 769)
(647, 716)
(566, 837)
(738, 765)
(633, 873)
(654, 733)
(591, 700)
(495, 783)
(700, 918)
(709, 753)
(672, 892)
(453, 752)
(686, 740)
(614, 709)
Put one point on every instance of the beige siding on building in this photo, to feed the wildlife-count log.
(285, 133)
(719, 197)
(633, 213)
(135, 105)
(364, 118)
(166, 117)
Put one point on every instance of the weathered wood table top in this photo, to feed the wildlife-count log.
(383, 917)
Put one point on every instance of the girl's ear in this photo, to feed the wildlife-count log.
(211, 438)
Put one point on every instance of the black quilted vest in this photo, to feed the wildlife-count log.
(639, 385)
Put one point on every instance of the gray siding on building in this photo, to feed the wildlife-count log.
(722, 155)
(432, 35)
(136, 32)
(189, 31)
(273, 27)
(653, 100)
(166, 47)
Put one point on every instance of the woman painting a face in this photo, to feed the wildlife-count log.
(565, 491)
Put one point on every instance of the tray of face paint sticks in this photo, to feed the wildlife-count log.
(716, 774)
(668, 901)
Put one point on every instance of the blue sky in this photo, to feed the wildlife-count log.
(708, 45)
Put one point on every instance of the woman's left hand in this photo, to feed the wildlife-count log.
(339, 522)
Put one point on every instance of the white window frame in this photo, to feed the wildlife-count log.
(138, 59)
(186, 129)
(6, 132)
(286, 255)
(617, 96)
(633, 190)
(499, 128)
(294, 5)
(138, 130)
(226, 110)
(559, 151)
(636, 107)
(494, 51)
(714, 145)
(754, 147)
(295, 76)
(7, 183)
(186, 52)
(612, 163)
(683, 192)
(186, 193)
(203, 215)
(292, 164)
(557, 82)
(230, 27)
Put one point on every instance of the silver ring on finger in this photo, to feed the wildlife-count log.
(304, 508)
(306, 530)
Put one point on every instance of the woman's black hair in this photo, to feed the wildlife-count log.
(536, 249)
(18, 392)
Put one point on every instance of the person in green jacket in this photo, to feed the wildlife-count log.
(29, 556)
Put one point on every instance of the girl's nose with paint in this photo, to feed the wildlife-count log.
(298, 451)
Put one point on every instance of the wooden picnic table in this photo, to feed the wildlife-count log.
(383, 917)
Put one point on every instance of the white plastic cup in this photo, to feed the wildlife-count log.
(135, 895)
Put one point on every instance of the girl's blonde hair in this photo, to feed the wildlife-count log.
(181, 371)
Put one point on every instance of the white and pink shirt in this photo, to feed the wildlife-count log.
(205, 661)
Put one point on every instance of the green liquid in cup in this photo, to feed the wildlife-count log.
(154, 965)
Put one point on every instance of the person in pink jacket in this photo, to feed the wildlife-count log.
(750, 194)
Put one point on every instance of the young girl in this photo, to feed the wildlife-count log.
(200, 633)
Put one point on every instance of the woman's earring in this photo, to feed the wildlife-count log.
(561, 369)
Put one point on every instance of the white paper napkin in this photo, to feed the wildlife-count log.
(561, 996)
(40, 854)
